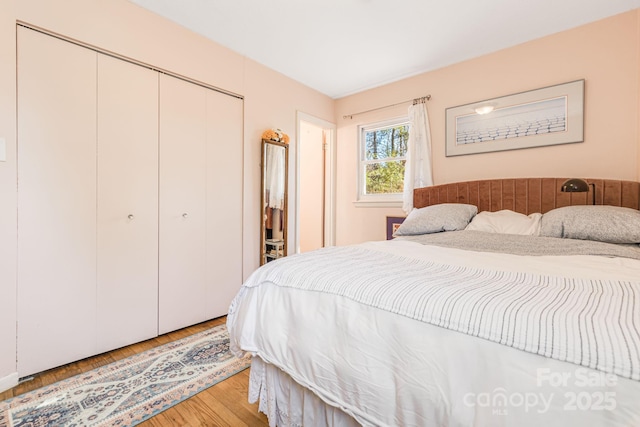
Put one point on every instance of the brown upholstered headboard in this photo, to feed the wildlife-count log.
(527, 195)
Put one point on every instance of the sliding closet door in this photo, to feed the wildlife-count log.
(127, 300)
(183, 173)
(56, 202)
(224, 201)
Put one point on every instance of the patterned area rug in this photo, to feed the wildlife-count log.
(129, 391)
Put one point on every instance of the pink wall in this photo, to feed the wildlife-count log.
(271, 100)
(605, 54)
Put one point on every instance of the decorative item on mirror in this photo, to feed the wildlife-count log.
(276, 135)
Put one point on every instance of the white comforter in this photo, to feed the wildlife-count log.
(386, 369)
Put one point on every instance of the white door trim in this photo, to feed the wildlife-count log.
(330, 179)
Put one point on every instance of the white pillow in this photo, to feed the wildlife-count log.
(437, 218)
(506, 222)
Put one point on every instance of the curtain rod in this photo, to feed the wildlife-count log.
(415, 101)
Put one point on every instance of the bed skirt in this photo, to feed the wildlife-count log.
(286, 403)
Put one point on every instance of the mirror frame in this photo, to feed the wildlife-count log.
(263, 230)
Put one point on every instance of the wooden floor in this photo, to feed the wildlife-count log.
(224, 404)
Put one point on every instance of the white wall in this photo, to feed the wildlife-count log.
(271, 100)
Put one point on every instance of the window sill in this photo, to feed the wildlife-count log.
(378, 203)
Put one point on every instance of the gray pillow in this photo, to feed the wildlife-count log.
(611, 224)
(437, 218)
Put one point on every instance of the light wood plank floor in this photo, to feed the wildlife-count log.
(224, 404)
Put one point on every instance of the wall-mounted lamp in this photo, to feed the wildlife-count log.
(577, 185)
(484, 109)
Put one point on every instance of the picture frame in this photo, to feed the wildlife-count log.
(393, 222)
(541, 117)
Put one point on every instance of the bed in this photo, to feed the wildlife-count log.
(525, 321)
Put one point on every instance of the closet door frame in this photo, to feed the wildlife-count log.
(81, 225)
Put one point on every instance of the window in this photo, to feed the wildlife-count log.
(383, 150)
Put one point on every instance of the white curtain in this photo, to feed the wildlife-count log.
(417, 172)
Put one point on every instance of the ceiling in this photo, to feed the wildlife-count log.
(341, 47)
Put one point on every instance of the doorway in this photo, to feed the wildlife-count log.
(315, 184)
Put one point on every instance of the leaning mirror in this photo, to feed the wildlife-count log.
(273, 206)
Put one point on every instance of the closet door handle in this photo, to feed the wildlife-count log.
(185, 215)
(130, 216)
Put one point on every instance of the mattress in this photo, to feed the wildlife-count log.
(387, 367)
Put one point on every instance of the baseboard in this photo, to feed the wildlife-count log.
(9, 381)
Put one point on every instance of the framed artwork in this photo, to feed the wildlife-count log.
(393, 222)
(547, 116)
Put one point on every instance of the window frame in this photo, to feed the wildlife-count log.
(376, 200)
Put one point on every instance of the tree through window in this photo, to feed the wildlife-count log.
(383, 157)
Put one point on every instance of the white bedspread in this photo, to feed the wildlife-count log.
(386, 369)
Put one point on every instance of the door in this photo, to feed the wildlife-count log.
(224, 201)
(127, 299)
(312, 179)
(56, 202)
(315, 210)
(183, 178)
